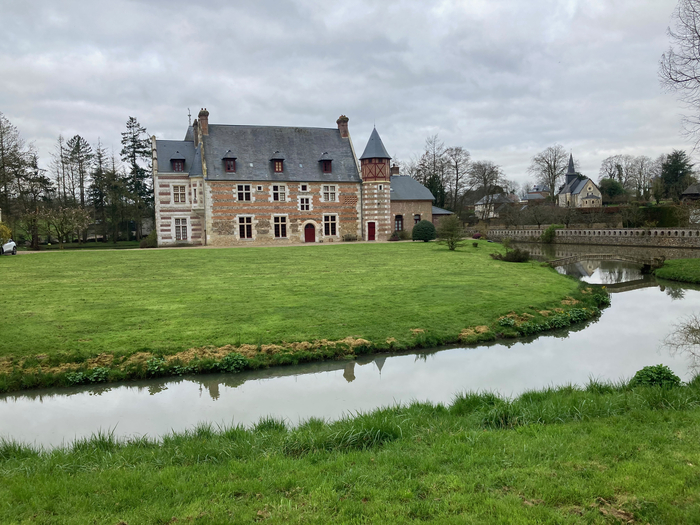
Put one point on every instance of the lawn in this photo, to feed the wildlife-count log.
(686, 270)
(605, 454)
(170, 300)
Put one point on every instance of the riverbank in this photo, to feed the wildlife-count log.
(73, 318)
(604, 453)
(684, 270)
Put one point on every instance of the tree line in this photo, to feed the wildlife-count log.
(86, 191)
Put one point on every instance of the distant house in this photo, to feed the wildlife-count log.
(578, 191)
(537, 195)
(692, 193)
(488, 207)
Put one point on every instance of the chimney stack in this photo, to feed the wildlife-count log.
(343, 126)
(394, 171)
(195, 129)
(204, 121)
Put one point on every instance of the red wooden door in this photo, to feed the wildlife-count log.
(309, 233)
(370, 231)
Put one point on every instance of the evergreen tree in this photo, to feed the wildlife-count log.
(136, 152)
(677, 174)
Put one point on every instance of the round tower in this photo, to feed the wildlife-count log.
(376, 191)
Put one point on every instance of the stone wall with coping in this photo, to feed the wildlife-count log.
(662, 237)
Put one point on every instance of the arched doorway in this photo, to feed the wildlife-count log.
(309, 233)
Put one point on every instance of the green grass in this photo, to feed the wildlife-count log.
(602, 454)
(686, 270)
(71, 306)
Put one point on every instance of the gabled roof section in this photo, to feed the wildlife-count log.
(375, 148)
(440, 211)
(189, 136)
(168, 150)
(405, 188)
(302, 147)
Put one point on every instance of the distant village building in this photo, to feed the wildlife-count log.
(232, 185)
(691, 193)
(578, 191)
(537, 194)
(491, 206)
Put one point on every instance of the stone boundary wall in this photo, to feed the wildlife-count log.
(663, 237)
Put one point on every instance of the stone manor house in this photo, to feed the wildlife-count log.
(228, 185)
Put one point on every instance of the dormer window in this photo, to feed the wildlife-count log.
(277, 162)
(177, 161)
(326, 161)
(229, 162)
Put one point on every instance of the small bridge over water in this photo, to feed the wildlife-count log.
(647, 263)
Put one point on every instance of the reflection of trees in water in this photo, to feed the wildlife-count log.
(674, 292)
(612, 272)
(685, 340)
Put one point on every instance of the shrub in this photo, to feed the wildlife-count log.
(233, 363)
(151, 241)
(516, 255)
(657, 375)
(550, 233)
(475, 244)
(506, 321)
(424, 231)
(405, 235)
(476, 236)
(394, 236)
(450, 231)
(349, 237)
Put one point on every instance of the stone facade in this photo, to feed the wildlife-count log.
(662, 237)
(262, 185)
(409, 210)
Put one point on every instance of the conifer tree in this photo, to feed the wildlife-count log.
(136, 155)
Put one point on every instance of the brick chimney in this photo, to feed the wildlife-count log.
(343, 126)
(204, 121)
(394, 170)
(195, 129)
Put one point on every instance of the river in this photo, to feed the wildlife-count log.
(628, 336)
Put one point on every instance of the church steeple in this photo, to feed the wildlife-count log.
(571, 172)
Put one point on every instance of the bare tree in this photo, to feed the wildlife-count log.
(458, 164)
(679, 67)
(488, 177)
(549, 166)
(685, 339)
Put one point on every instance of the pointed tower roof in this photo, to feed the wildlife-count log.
(375, 148)
(571, 170)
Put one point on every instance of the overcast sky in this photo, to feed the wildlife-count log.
(502, 78)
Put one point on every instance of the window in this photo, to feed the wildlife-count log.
(178, 165)
(303, 187)
(329, 224)
(245, 227)
(279, 193)
(244, 192)
(278, 166)
(381, 188)
(180, 229)
(179, 194)
(398, 223)
(280, 227)
(260, 188)
(326, 166)
(416, 218)
(304, 204)
(329, 193)
(230, 165)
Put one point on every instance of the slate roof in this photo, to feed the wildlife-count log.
(405, 188)
(254, 146)
(574, 186)
(440, 211)
(375, 148)
(693, 189)
(498, 198)
(166, 150)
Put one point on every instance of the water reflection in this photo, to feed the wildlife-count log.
(629, 335)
